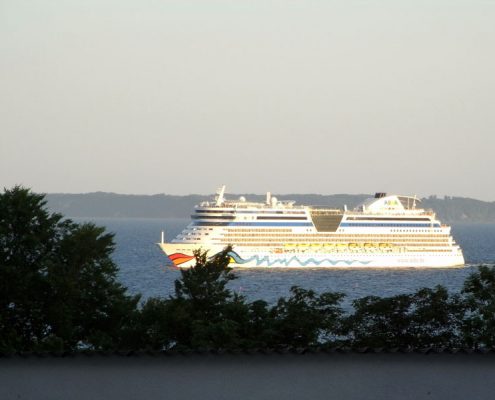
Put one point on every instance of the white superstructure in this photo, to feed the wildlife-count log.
(384, 231)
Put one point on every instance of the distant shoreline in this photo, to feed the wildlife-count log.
(112, 205)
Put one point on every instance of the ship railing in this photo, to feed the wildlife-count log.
(393, 212)
(327, 211)
(243, 205)
(314, 209)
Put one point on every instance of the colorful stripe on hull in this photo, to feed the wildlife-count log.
(180, 258)
(269, 262)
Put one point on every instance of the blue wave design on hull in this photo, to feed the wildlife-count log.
(286, 261)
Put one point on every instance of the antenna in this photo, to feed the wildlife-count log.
(219, 199)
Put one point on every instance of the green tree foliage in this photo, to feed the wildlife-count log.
(306, 319)
(214, 314)
(423, 319)
(478, 322)
(380, 322)
(153, 326)
(58, 287)
(205, 313)
(436, 318)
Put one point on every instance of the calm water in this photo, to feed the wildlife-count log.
(144, 269)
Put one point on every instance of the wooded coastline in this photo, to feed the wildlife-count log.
(112, 205)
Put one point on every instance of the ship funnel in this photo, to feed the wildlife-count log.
(268, 198)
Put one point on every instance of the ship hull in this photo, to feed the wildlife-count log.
(182, 256)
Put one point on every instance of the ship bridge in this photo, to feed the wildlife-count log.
(390, 204)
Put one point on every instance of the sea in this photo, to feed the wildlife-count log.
(144, 269)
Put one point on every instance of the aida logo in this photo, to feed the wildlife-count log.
(391, 203)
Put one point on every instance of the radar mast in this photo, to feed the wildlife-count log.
(219, 198)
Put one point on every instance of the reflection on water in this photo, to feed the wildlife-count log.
(144, 269)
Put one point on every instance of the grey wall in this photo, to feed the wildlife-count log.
(215, 377)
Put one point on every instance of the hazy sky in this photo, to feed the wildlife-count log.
(303, 96)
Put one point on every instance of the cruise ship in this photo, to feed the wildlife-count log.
(386, 231)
